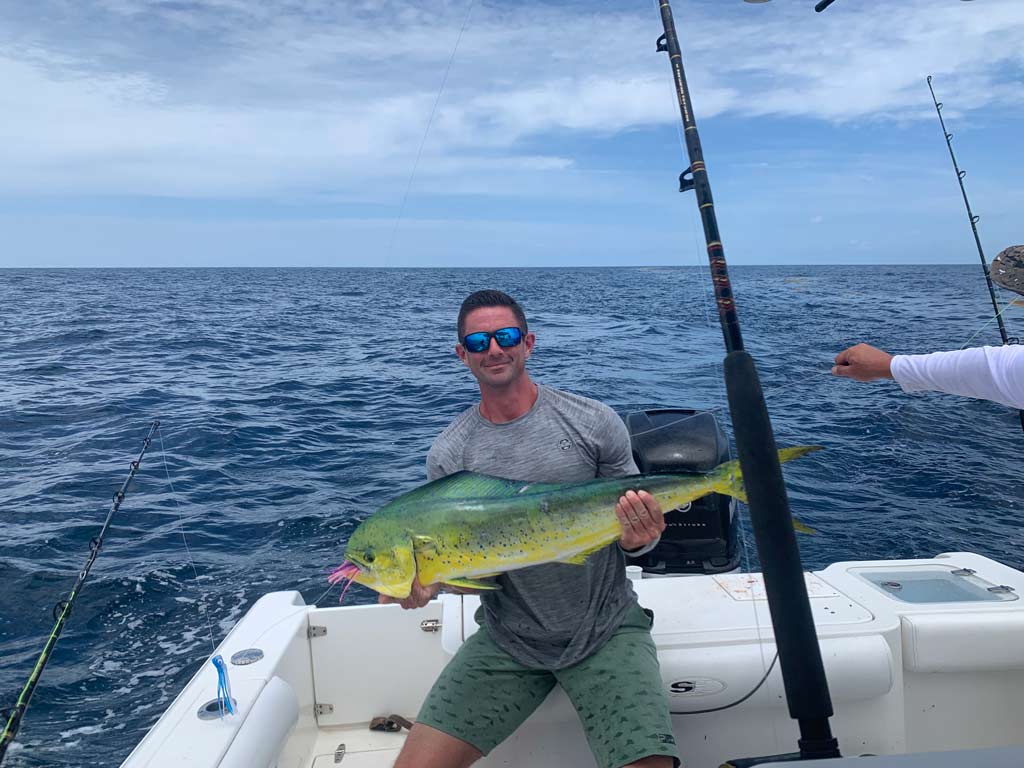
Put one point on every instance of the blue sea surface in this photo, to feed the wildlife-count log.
(294, 402)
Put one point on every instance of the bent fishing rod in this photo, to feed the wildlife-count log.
(971, 217)
(62, 609)
(803, 672)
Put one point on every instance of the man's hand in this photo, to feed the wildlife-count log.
(418, 596)
(863, 362)
(641, 519)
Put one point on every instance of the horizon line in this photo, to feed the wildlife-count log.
(490, 267)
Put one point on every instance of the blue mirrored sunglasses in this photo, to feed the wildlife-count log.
(480, 341)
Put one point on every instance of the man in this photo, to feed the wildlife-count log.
(576, 626)
(989, 373)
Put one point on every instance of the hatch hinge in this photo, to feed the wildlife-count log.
(315, 630)
(324, 709)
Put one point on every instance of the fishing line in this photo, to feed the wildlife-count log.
(225, 702)
(430, 121)
(995, 318)
(188, 551)
(62, 609)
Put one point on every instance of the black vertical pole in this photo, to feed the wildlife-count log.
(970, 214)
(799, 654)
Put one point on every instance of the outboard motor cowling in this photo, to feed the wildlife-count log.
(704, 538)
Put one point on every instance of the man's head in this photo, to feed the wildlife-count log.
(494, 342)
(481, 299)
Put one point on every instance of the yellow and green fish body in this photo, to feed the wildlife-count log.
(468, 526)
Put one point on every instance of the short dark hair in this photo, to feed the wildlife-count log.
(490, 299)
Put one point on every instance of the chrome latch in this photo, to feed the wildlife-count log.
(431, 625)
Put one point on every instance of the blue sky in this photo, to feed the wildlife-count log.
(236, 133)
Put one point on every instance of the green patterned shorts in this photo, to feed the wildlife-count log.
(484, 694)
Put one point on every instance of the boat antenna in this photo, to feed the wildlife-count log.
(971, 216)
(803, 672)
(62, 609)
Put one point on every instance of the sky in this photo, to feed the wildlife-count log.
(161, 133)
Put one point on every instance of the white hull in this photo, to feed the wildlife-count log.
(904, 676)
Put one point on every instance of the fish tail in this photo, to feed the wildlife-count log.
(727, 478)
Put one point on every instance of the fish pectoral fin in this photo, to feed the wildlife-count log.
(472, 584)
(422, 543)
(581, 557)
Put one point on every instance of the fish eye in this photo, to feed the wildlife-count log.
(368, 556)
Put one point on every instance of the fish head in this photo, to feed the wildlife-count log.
(385, 558)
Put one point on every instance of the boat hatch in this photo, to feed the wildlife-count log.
(936, 585)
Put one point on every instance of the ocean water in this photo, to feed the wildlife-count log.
(295, 402)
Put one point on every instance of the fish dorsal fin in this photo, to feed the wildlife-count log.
(466, 485)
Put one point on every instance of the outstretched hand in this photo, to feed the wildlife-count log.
(641, 519)
(862, 362)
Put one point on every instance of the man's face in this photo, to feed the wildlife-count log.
(495, 366)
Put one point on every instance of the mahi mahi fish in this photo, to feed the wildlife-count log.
(467, 527)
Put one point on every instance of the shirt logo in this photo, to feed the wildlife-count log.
(565, 443)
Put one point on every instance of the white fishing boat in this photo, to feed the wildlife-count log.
(921, 656)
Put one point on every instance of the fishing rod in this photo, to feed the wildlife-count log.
(971, 217)
(803, 672)
(62, 609)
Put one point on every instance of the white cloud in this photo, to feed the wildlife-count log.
(234, 98)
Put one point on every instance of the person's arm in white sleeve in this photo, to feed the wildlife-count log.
(988, 373)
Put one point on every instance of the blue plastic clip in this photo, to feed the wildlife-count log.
(224, 702)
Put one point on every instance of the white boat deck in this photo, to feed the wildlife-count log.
(355, 746)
